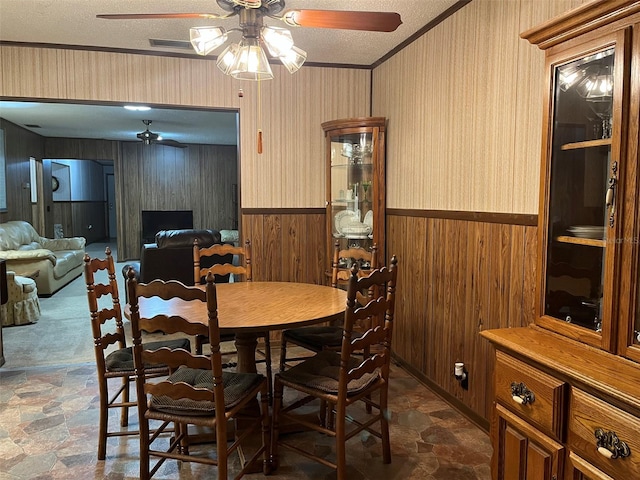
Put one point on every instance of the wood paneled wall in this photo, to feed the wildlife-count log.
(155, 177)
(464, 104)
(456, 279)
(287, 246)
(81, 219)
(160, 177)
(20, 144)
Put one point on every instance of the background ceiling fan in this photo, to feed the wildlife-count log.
(148, 137)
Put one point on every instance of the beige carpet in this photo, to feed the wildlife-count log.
(62, 335)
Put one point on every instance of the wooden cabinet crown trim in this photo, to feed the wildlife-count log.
(357, 122)
(585, 18)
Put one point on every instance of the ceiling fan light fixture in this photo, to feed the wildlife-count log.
(293, 59)
(251, 63)
(597, 84)
(227, 58)
(570, 76)
(207, 39)
(278, 40)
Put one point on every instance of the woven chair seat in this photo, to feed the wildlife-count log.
(236, 386)
(318, 336)
(122, 360)
(321, 372)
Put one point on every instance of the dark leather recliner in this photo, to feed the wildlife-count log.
(171, 257)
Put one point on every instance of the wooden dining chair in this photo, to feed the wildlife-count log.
(240, 272)
(113, 362)
(316, 338)
(197, 391)
(342, 379)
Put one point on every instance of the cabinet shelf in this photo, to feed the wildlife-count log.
(591, 242)
(601, 142)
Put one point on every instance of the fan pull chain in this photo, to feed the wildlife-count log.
(259, 117)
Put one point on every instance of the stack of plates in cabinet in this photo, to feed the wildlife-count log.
(587, 231)
(344, 218)
(356, 229)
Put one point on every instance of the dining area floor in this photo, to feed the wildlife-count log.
(49, 416)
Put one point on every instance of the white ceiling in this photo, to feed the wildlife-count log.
(74, 23)
(116, 123)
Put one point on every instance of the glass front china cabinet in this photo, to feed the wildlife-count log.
(585, 220)
(583, 174)
(355, 150)
(562, 408)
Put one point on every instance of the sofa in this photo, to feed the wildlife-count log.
(52, 263)
(171, 256)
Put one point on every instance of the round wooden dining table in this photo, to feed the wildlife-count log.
(248, 308)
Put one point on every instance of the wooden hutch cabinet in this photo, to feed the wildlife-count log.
(356, 194)
(567, 389)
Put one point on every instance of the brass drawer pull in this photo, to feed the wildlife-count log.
(521, 394)
(610, 446)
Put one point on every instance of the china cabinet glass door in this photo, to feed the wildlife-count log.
(351, 189)
(582, 185)
(355, 185)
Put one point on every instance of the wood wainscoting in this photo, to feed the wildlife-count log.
(287, 245)
(461, 273)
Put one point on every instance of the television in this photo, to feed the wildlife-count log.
(155, 220)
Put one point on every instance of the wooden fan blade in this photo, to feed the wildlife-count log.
(171, 143)
(346, 20)
(143, 16)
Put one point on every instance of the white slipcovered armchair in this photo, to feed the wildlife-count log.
(22, 306)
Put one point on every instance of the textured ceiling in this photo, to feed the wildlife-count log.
(74, 23)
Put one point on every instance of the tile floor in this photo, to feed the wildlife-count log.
(49, 413)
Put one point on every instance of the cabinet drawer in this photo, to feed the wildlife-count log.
(580, 469)
(534, 395)
(588, 415)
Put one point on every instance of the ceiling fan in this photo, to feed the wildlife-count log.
(148, 137)
(246, 60)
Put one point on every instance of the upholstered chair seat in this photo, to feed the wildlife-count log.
(236, 386)
(322, 372)
(121, 360)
